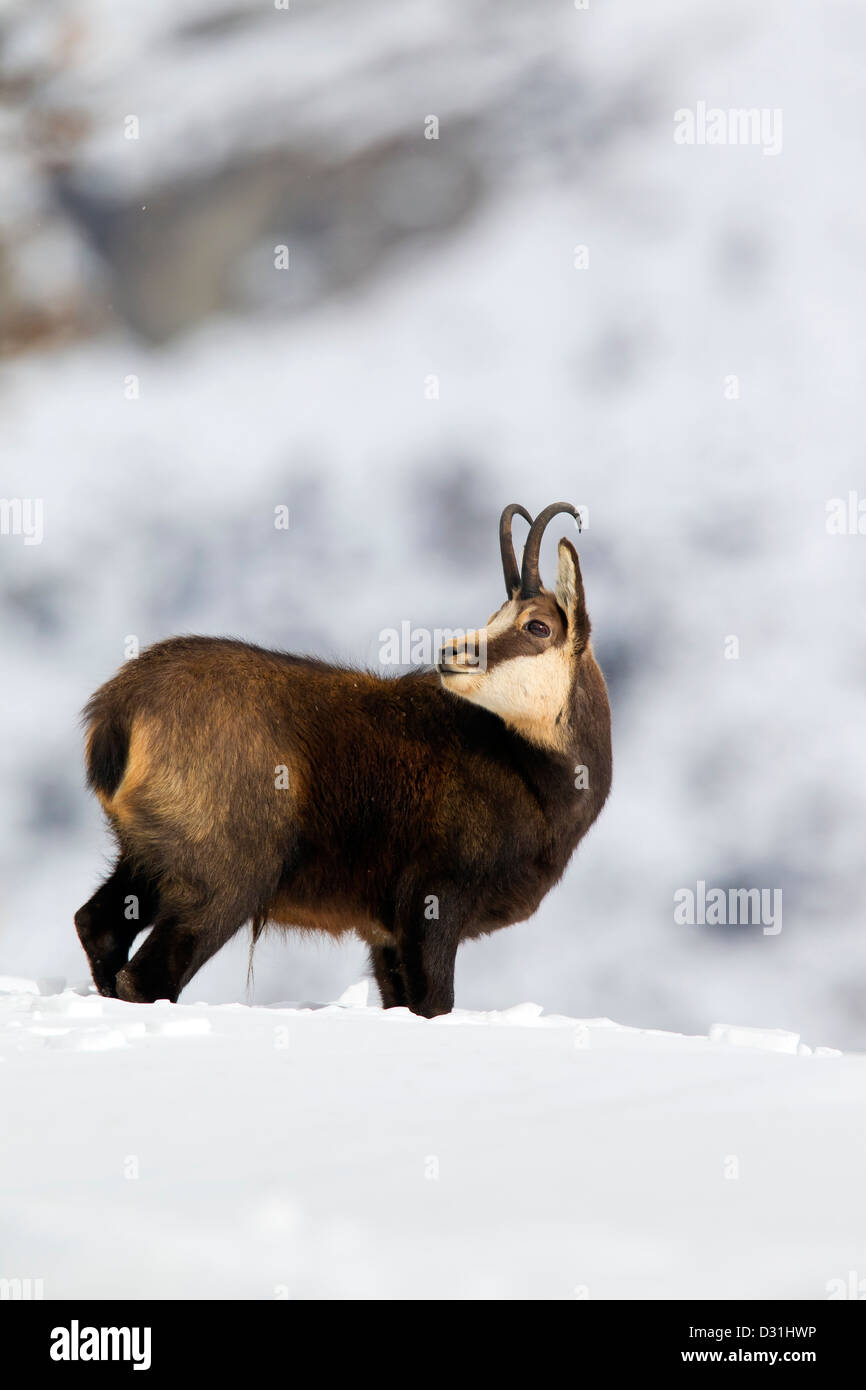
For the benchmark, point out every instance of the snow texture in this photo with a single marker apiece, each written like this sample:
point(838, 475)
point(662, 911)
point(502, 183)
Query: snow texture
point(339, 1151)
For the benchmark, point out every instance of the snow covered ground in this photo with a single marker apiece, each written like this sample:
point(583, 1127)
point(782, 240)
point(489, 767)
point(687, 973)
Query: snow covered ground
point(225, 1151)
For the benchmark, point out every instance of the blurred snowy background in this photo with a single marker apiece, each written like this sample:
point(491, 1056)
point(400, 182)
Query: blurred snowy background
point(164, 387)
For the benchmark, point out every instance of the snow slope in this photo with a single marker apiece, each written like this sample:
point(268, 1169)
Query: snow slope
point(202, 1151)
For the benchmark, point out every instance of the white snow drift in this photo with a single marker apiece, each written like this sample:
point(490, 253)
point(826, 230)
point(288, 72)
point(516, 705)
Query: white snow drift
point(299, 1151)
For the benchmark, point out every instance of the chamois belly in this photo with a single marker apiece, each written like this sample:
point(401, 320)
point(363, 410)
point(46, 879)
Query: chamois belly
point(332, 917)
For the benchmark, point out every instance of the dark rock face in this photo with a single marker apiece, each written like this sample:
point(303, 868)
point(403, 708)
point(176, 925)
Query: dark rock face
point(200, 246)
point(175, 161)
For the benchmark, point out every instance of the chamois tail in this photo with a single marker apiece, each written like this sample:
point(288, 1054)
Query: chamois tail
point(107, 749)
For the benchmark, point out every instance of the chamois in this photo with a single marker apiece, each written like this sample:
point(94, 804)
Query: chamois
point(418, 810)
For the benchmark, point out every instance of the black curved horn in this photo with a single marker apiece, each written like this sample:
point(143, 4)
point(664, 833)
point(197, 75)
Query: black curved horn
point(529, 581)
point(509, 563)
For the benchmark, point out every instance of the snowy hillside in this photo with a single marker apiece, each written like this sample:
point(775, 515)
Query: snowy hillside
point(339, 1151)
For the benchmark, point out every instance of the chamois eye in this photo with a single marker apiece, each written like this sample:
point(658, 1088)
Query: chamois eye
point(538, 629)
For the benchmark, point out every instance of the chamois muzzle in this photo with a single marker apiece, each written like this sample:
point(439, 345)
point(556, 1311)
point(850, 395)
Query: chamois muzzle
point(530, 583)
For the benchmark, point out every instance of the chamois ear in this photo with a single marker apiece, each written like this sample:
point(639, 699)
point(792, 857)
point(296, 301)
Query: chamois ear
point(570, 595)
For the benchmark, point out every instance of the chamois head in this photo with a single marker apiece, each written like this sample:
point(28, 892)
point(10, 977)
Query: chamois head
point(525, 665)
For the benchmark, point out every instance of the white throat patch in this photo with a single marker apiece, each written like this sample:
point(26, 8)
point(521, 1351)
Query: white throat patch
point(530, 693)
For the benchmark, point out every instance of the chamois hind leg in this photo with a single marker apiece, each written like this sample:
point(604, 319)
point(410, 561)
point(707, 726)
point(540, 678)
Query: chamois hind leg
point(109, 922)
point(187, 932)
point(385, 961)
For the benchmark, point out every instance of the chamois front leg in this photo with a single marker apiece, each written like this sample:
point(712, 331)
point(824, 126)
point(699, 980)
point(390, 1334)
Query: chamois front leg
point(428, 936)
